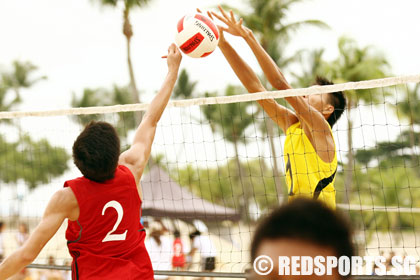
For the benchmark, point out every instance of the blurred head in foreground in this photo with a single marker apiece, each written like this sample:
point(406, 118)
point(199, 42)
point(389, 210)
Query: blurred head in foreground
point(303, 227)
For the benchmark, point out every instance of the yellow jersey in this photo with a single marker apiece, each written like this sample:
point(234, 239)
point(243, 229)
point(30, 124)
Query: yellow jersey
point(306, 173)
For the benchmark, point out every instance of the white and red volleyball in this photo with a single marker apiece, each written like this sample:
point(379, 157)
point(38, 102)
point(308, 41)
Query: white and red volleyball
point(197, 35)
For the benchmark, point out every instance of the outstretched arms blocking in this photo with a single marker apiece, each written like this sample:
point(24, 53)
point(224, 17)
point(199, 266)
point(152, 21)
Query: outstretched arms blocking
point(313, 120)
point(279, 114)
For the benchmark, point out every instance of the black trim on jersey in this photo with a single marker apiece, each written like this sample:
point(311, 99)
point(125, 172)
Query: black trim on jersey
point(75, 270)
point(322, 184)
point(289, 169)
point(80, 234)
point(140, 230)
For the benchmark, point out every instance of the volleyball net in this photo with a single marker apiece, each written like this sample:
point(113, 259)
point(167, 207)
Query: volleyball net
point(217, 167)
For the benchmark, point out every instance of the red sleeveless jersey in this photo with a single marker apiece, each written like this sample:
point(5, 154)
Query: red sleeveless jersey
point(107, 241)
point(178, 259)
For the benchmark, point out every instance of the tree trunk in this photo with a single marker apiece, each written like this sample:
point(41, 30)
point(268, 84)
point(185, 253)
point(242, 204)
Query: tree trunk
point(276, 172)
point(244, 200)
point(414, 157)
point(348, 182)
point(128, 33)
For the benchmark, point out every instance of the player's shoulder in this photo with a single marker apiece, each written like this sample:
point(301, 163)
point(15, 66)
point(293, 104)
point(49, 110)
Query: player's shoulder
point(65, 195)
point(65, 201)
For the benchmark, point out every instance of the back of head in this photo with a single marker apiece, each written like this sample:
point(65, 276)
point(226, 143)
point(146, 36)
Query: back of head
point(336, 99)
point(307, 220)
point(195, 234)
point(96, 151)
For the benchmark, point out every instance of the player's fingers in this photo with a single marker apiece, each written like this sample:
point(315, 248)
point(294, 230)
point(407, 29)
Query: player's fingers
point(198, 10)
point(220, 18)
point(223, 12)
point(164, 56)
point(232, 16)
point(210, 15)
point(171, 49)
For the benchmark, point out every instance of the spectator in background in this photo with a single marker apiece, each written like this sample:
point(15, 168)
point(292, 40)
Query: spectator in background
point(203, 244)
point(51, 274)
point(66, 274)
point(303, 227)
point(21, 236)
point(188, 257)
point(159, 247)
point(1, 241)
point(389, 261)
point(178, 258)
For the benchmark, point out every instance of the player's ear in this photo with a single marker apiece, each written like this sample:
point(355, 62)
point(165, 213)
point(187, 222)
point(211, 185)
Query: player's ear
point(328, 109)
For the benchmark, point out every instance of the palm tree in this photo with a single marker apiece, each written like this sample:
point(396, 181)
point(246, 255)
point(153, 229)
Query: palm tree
point(27, 160)
point(21, 76)
point(315, 65)
point(126, 121)
point(184, 88)
point(128, 33)
point(231, 120)
point(356, 64)
point(266, 18)
point(409, 108)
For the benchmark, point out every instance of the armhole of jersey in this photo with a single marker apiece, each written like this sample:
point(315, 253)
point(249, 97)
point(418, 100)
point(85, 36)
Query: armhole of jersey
point(292, 128)
point(132, 179)
point(335, 160)
point(79, 203)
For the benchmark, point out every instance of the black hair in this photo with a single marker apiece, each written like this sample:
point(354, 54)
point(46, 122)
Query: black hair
point(177, 234)
point(337, 100)
point(194, 234)
point(1, 225)
point(96, 151)
point(308, 220)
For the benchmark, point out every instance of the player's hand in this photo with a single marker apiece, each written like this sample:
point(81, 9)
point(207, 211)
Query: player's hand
point(219, 27)
point(174, 58)
point(234, 27)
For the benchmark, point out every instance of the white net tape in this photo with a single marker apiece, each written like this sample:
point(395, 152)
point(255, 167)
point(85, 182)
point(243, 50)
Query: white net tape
point(378, 83)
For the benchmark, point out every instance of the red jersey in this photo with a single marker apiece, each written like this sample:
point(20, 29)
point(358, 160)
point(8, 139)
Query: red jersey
point(178, 259)
point(107, 241)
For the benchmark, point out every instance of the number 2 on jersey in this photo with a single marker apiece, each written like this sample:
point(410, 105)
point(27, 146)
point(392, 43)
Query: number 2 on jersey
point(110, 236)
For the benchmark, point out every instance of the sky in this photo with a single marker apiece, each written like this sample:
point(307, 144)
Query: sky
point(79, 44)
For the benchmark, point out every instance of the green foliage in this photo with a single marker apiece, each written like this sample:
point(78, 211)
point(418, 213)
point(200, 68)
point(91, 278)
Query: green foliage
point(391, 153)
point(409, 106)
point(358, 64)
point(105, 97)
point(222, 184)
point(389, 187)
point(267, 19)
point(127, 3)
point(21, 75)
point(34, 162)
point(231, 120)
point(313, 65)
point(184, 88)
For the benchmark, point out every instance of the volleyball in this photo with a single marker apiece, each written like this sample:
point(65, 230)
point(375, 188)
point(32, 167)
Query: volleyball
point(197, 35)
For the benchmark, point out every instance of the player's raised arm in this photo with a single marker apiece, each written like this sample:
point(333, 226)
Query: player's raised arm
point(304, 111)
point(280, 114)
point(137, 156)
point(270, 68)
